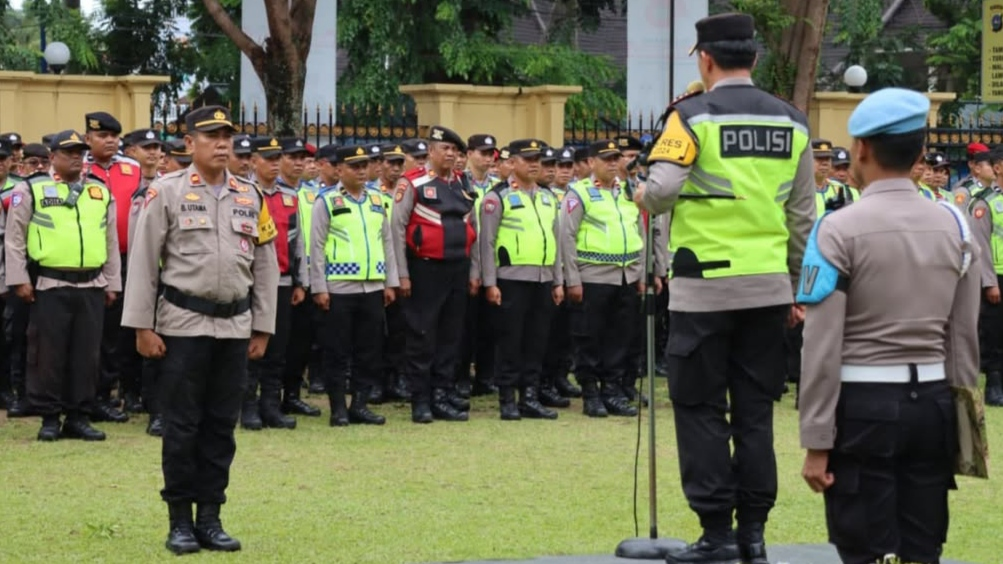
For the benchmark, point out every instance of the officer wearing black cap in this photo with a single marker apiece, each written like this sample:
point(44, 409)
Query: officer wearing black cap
point(504, 166)
point(734, 167)
point(548, 166)
point(353, 273)
point(375, 166)
point(522, 278)
point(841, 165)
point(301, 351)
point(16, 145)
point(67, 267)
point(417, 154)
point(34, 158)
point(434, 229)
point(179, 157)
point(211, 234)
point(581, 169)
point(602, 250)
point(940, 173)
point(240, 156)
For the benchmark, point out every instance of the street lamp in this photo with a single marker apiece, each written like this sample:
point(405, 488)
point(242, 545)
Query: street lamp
point(855, 77)
point(56, 55)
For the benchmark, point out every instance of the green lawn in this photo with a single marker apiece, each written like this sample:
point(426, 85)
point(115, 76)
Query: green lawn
point(404, 493)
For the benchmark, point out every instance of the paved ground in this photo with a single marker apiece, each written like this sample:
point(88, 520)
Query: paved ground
point(790, 554)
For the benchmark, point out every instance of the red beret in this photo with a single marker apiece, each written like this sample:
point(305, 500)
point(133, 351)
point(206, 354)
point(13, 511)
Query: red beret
point(977, 148)
point(312, 150)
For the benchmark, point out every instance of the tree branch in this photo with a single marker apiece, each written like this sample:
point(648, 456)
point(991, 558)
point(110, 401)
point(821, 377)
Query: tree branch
point(539, 19)
point(280, 29)
point(302, 14)
point(243, 42)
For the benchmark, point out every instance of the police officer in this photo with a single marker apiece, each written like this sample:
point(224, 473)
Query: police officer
point(302, 350)
point(34, 158)
point(981, 178)
point(971, 150)
point(504, 166)
point(987, 221)
point(940, 172)
point(67, 267)
point(270, 369)
point(353, 273)
point(375, 166)
point(434, 229)
point(738, 230)
point(877, 415)
point(827, 189)
point(179, 157)
point(7, 183)
point(213, 235)
point(240, 157)
point(478, 337)
point(581, 168)
point(16, 144)
point(522, 277)
point(394, 384)
point(840, 165)
point(602, 250)
point(327, 167)
point(416, 151)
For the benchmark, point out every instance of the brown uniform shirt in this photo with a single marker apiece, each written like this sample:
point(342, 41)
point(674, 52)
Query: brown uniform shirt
point(207, 243)
point(16, 247)
point(905, 302)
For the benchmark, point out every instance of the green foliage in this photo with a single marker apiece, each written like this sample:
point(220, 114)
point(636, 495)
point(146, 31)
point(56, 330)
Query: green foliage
point(958, 49)
point(460, 41)
point(18, 42)
point(211, 58)
point(572, 16)
point(773, 72)
point(20, 45)
point(871, 45)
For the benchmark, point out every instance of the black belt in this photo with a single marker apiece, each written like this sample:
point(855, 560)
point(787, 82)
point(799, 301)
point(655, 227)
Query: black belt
point(71, 276)
point(204, 306)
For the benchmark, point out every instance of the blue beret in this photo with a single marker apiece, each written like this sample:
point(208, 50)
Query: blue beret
point(889, 111)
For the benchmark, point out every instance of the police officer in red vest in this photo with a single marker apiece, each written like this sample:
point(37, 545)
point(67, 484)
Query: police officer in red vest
point(122, 175)
point(434, 229)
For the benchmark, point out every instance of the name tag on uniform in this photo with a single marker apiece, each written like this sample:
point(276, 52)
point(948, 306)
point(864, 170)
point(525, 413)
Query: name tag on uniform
point(766, 141)
point(377, 208)
point(545, 199)
point(50, 192)
point(288, 201)
point(515, 201)
point(595, 195)
point(431, 193)
point(998, 206)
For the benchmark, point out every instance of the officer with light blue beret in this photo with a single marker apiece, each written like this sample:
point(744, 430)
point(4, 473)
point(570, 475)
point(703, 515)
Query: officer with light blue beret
point(892, 296)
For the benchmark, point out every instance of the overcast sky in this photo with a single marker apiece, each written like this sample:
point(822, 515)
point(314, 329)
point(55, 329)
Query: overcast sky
point(86, 6)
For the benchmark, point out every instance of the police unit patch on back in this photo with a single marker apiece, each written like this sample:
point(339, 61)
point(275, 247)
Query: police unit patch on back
point(765, 141)
point(819, 278)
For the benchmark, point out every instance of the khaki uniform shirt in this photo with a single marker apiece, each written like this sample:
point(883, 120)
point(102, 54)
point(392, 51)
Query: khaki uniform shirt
point(982, 225)
point(16, 247)
point(905, 302)
point(207, 243)
point(320, 224)
point(491, 214)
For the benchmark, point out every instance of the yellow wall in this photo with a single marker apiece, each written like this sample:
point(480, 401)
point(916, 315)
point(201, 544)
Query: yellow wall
point(507, 112)
point(830, 112)
point(37, 104)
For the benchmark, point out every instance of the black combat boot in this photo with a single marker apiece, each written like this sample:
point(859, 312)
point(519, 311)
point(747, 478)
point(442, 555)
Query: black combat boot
point(566, 388)
point(443, 409)
point(104, 410)
point(592, 406)
point(76, 426)
point(181, 538)
point(397, 388)
point(550, 397)
point(271, 416)
point(209, 530)
point(506, 404)
point(463, 389)
point(631, 392)
point(155, 428)
point(420, 411)
point(250, 417)
point(483, 386)
point(18, 407)
point(714, 547)
point(336, 397)
point(530, 406)
point(359, 412)
point(457, 400)
point(293, 404)
point(376, 395)
point(50, 429)
point(752, 544)
point(133, 403)
point(994, 388)
point(615, 402)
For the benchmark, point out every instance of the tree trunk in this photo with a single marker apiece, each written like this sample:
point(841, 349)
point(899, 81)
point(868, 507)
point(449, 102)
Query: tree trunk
point(283, 92)
point(802, 45)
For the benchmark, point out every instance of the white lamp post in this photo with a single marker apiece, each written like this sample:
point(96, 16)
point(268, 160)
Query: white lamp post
point(855, 77)
point(57, 54)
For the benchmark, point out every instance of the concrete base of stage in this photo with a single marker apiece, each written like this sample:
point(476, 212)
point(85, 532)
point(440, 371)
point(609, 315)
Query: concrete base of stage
point(779, 554)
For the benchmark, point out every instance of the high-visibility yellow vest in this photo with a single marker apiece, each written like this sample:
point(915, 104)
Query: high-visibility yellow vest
point(831, 192)
point(306, 195)
point(608, 233)
point(994, 200)
point(60, 236)
point(526, 232)
point(354, 246)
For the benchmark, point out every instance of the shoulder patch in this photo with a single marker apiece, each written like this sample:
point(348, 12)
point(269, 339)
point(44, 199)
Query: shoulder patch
point(676, 144)
point(819, 278)
point(979, 213)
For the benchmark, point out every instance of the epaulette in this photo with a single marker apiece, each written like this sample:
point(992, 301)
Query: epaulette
point(668, 109)
point(498, 187)
point(123, 159)
point(36, 176)
point(415, 173)
point(176, 174)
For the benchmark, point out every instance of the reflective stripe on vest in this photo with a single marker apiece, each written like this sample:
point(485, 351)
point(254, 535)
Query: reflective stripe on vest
point(354, 246)
point(306, 197)
point(730, 219)
point(68, 237)
point(608, 233)
point(526, 232)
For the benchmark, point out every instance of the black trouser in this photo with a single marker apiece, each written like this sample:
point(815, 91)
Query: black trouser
point(478, 340)
point(64, 340)
point(713, 357)
point(522, 324)
point(352, 341)
point(393, 346)
point(435, 314)
point(636, 361)
point(200, 390)
point(120, 362)
point(148, 390)
point(15, 318)
point(601, 332)
point(6, 384)
point(893, 465)
point(991, 325)
point(269, 370)
point(793, 341)
point(301, 350)
point(557, 357)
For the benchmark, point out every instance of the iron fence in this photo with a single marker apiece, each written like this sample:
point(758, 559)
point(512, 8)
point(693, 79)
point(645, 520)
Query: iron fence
point(583, 129)
point(963, 122)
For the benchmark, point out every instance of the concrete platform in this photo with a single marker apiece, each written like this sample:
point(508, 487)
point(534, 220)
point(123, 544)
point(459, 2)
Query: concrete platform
point(789, 554)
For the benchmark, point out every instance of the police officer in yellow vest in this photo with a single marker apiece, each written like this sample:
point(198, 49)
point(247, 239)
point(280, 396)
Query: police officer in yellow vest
point(734, 165)
point(62, 257)
point(602, 250)
point(987, 222)
point(353, 273)
point(828, 191)
point(522, 276)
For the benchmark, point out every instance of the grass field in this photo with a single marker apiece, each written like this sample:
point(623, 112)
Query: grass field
point(405, 493)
